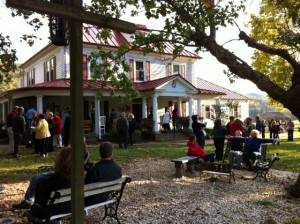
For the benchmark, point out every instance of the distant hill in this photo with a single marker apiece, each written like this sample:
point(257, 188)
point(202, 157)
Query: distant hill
point(259, 104)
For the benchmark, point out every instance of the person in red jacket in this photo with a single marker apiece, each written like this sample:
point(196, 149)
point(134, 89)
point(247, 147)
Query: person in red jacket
point(57, 138)
point(196, 150)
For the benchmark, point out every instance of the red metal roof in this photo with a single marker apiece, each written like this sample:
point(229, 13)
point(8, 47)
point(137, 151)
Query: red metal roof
point(227, 94)
point(117, 39)
point(64, 84)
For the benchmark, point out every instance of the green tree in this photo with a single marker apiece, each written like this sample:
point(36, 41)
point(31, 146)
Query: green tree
point(196, 23)
point(277, 32)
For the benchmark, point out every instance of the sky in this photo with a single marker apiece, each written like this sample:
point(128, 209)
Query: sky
point(207, 68)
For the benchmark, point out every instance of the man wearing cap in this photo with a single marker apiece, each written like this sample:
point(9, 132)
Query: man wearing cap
point(122, 130)
point(10, 132)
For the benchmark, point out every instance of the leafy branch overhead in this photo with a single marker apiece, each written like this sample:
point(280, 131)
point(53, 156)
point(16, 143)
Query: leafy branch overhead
point(276, 41)
point(196, 24)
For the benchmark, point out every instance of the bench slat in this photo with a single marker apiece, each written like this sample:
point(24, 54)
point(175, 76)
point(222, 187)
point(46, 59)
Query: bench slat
point(185, 159)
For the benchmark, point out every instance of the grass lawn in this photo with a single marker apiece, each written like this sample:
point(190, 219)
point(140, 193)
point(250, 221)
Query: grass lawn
point(14, 170)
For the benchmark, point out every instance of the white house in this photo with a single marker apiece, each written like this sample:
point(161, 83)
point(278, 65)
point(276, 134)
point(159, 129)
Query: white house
point(160, 80)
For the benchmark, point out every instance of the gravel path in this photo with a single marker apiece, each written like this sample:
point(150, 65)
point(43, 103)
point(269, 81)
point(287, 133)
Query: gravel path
point(156, 196)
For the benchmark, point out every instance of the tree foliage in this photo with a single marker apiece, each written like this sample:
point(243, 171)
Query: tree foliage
point(7, 59)
point(280, 31)
point(196, 24)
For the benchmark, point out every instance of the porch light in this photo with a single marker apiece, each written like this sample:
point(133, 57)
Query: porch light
point(58, 27)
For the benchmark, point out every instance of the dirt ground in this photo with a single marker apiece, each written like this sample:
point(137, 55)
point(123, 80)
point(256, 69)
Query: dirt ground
point(156, 196)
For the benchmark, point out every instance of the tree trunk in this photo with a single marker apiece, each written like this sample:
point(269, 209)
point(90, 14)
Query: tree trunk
point(294, 189)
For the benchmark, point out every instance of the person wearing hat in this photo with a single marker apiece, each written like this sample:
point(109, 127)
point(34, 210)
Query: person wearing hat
point(122, 130)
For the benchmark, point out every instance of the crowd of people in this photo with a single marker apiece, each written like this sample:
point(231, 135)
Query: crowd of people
point(242, 139)
point(42, 131)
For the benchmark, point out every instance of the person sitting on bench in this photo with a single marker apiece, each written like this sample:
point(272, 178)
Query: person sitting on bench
point(252, 146)
point(196, 150)
point(37, 178)
point(105, 170)
point(236, 151)
point(60, 179)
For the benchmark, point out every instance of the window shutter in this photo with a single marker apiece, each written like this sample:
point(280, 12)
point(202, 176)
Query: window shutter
point(45, 72)
point(183, 74)
point(27, 77)
point(169, 69)
point(54, 65)
point(33, 82)
point(147, 70)
point(131, 65)
point(84, 67)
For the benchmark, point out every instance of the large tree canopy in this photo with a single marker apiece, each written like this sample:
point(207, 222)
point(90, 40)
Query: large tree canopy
point(276, 69)
point(195, 24)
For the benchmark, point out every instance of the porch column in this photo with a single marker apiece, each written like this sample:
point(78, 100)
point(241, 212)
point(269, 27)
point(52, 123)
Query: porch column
point(97, 117)
point(144, 107)
point(180, 107)
point(191, 110)
point(39, 104)
point(199, 106)
point(155, 113)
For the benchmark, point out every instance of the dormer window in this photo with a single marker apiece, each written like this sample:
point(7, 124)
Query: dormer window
point(139, 71)
point(176, 69)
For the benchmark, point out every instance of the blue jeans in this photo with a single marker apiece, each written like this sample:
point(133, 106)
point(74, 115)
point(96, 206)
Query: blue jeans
point(35, 180)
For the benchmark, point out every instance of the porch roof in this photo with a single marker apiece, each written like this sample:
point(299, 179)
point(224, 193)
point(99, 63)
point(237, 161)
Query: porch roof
point(227, 94)
point(64, 84)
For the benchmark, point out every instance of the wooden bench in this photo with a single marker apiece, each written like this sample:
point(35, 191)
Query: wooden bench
point(262, 168)
point(87, 126)
point(217, 169)
point(115, 188)
point(179, 163)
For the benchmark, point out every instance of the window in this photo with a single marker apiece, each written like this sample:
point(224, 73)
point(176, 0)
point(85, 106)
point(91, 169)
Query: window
point(176, 69)
point(207, 112)
point(139, 71)
point(50, 70)
point(31, 77)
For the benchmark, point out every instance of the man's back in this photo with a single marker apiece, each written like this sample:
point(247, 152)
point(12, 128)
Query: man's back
point(103, 171)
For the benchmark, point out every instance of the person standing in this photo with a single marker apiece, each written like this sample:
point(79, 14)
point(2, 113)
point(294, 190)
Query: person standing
point(122, 130)
point(175, 118)
point(290, 128)
point(197, 130)
point(131, 128)
point(271, 128)
point(105, 170)
point(219, 133)
point(231, 119)
point(258, 124)
point(18, 126)
point(49, 119)
point(42, 135)
point(29, 115)
point(34, 123)
point(249, 126)
point(10, 132)
point(166, 120)
point(263, 129)
point(57, 138)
